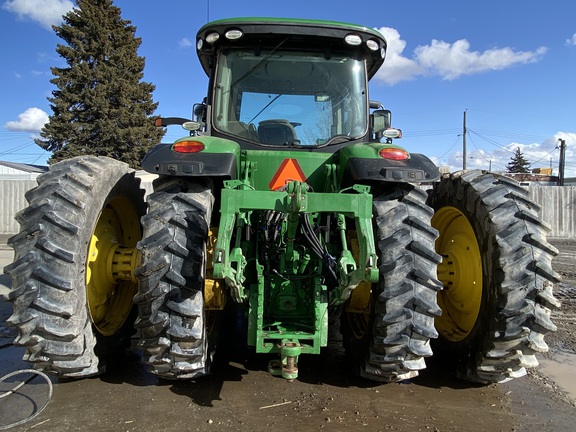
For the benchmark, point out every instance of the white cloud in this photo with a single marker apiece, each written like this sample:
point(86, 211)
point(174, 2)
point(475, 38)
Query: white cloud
point(540, 155)
point(451, 61)
point(46, 12)
point(397, 67)
point(185, 43)
point(31, 120)
point(571, 41)
point(446, 60)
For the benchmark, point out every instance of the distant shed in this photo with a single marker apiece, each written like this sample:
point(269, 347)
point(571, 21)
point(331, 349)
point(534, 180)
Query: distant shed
point(19, 171)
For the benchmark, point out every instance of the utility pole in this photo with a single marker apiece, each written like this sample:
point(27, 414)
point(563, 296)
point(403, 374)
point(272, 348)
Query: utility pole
point(562, 161)
point(464, 143)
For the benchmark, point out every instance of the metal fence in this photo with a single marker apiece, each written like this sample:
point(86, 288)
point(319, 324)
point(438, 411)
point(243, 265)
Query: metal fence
point(558, 205)
point(12, 199)
point(558, 208)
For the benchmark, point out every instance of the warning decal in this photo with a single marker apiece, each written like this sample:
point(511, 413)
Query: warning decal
point(289, 171)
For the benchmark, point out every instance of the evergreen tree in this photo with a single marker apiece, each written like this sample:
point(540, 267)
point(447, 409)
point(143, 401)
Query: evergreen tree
point(518, 163)
point(101, 106)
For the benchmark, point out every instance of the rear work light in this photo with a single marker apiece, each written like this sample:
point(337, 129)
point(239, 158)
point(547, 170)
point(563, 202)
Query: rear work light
point(234, 34)
point(353, 39)
point(392, 153)
point(212, 37)
point(188, 147)
point(372, 44)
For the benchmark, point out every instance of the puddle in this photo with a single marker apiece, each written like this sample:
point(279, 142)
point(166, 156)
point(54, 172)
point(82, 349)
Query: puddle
point(561, 369)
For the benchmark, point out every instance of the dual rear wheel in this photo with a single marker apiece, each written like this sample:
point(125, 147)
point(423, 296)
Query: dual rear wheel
point(477, 245)
point(496, 273)
point(71, 285)
point(466, 266)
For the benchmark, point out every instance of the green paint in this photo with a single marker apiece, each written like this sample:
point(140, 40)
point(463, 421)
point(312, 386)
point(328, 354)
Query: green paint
point(292, 302)
point(291, 21)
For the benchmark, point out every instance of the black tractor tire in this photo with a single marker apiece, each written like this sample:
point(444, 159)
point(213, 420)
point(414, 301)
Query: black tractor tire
point(59, 263)
point(389, 343)
point(171, 318)
point(497, 276)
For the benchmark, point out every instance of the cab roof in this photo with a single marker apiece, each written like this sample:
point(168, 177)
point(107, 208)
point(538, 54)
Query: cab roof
point(293, 33)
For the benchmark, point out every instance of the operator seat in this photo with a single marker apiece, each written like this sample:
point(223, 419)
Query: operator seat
point(276, 131)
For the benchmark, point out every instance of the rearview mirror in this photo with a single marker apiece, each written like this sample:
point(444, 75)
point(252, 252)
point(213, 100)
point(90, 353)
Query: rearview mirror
point(200, 111)
point(382, 120)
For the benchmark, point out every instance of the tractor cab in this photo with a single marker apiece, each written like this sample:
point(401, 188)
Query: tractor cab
point(289, 83)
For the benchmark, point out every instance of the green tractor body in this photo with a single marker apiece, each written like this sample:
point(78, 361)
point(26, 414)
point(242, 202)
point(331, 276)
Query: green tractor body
point(288, 201)
point(287, 133)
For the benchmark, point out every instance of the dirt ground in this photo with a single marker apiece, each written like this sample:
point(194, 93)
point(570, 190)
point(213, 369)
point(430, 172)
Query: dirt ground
point(240, 397)
point(558, 367)
point(565, 318)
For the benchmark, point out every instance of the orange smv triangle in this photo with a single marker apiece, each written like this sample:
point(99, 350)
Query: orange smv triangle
point(289, 171)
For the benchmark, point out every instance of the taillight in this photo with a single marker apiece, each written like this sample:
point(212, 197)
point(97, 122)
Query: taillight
point(394, 153)
point(188, 147)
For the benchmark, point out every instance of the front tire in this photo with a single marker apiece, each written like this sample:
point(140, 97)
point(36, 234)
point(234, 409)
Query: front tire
point(497, 276)
point(70, 310)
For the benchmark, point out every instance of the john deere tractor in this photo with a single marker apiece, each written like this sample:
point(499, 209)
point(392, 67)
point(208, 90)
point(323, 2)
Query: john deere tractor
point(287, 202)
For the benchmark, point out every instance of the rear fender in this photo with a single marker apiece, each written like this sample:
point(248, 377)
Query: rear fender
point(362, 163)
point(219, 158)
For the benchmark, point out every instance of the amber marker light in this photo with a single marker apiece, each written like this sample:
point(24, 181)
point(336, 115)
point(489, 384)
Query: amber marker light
point(394, 153)
point(188, 147)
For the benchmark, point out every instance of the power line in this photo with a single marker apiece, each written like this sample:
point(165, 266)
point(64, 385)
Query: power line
point(430, 132)
point(506, 149)
point(490, 141)
point(512, 135)
point(479, 151)
point(451, 147)
point(551, 151)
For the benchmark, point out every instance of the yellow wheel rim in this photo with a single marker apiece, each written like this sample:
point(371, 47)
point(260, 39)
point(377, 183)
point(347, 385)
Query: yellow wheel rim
point(112, 259)
point(358, 305)
point(358, 310)
point(460, 273)
point(214, 293)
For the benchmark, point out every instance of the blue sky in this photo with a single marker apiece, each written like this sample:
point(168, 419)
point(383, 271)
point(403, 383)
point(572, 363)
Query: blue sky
point(509, 64)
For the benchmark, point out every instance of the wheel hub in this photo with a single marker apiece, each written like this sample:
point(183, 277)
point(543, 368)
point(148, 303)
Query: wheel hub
point(460, 273)
point(111, 262)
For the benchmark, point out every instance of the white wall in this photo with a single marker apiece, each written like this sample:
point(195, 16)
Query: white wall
point(558, 205)
point(12, 200)
point(558, 208)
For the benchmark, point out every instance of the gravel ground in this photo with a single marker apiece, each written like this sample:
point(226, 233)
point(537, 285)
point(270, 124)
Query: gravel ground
point(325, 396)
point(565, 318)
point(561, 359)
